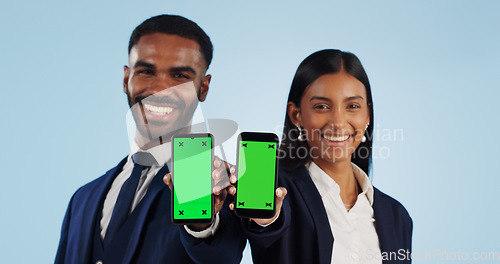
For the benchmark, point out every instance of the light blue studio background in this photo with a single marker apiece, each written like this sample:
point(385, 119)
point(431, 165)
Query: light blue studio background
point(433, 67)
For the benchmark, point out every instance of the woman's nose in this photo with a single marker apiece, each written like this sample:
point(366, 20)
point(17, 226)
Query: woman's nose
point(337, 118)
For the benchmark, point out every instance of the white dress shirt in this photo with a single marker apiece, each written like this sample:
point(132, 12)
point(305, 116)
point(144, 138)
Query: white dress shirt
point(162, 154)
point(354, 233)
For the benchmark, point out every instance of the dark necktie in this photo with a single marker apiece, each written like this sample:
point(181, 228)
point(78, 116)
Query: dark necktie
point(126, 195)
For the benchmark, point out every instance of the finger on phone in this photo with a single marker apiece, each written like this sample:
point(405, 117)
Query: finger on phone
point(232, 175)
point(232, 190)
point(216, 190)
point(217, 162)
point(280, 195)
point(219, 199)
point(167, 179)
point(219, 174)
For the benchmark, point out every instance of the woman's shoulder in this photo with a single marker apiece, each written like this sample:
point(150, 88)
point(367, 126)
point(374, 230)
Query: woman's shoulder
point(387, 204)
point(292, 175)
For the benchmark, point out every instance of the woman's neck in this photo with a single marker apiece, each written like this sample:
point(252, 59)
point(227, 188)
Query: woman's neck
point(342, 173)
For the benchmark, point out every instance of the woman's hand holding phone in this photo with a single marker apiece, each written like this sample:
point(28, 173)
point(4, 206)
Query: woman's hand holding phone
point(280, 196)
point(224, 176)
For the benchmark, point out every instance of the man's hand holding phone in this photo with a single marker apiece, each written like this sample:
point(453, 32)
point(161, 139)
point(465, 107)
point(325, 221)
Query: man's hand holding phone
point(255, 176)
point(222, 186)
point(220, 175)
point(225, 179)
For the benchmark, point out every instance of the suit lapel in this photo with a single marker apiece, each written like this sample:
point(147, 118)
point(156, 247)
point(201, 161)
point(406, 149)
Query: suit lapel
point(90, 212)
point(157, 185)
point(383, 223)
point(316, 208)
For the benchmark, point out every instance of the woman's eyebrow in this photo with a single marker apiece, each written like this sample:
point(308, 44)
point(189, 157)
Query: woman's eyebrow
point(350, 98)
point(319, 98)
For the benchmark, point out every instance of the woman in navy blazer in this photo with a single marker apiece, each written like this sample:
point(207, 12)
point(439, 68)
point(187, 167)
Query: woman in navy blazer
point(328, 131)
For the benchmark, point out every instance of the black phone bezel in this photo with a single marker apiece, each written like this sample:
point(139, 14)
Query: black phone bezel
point(259, 137)
point(192, 221)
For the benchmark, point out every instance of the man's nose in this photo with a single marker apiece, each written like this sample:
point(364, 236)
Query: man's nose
point(162, 82)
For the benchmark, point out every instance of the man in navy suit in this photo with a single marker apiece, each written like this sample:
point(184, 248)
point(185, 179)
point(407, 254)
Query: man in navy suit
point(164, 81)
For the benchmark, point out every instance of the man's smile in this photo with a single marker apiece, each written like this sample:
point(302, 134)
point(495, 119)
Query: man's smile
point(158, 110)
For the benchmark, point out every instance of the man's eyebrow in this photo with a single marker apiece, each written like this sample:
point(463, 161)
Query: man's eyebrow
point(182, 69)
point(144, 64)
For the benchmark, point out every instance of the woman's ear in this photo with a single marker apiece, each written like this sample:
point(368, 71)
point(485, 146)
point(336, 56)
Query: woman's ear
point(293, 112)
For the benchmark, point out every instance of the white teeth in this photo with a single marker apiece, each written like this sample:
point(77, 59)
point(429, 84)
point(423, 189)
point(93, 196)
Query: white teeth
point(338, 139)
point(161, 110)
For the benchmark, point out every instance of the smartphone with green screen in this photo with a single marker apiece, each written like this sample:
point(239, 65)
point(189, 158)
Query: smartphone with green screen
point(257, 175)
point(192, 197)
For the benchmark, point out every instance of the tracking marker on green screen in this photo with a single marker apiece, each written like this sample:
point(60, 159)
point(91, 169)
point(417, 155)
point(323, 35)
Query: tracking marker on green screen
point(192, 182)
point(256, 175)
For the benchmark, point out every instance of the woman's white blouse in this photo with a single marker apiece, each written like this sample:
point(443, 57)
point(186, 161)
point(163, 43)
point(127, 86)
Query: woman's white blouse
point(354, 233)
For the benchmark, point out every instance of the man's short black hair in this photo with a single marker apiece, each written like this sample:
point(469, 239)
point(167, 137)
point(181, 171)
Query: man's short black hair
point(174, 25)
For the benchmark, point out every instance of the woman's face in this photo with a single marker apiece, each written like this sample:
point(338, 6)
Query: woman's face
point(334, 114)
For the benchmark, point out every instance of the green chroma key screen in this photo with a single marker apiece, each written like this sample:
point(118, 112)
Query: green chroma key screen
point(256, 175)
point(192, 178)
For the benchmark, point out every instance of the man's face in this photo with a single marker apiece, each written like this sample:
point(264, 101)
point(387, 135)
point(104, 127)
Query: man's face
point(164, 81)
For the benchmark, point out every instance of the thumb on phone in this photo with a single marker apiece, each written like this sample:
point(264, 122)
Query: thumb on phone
point(280, 196)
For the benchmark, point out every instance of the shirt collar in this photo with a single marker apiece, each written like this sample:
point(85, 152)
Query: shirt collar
point(323, 182)
point(161, 153)
point(364, 182)
point(326, 183)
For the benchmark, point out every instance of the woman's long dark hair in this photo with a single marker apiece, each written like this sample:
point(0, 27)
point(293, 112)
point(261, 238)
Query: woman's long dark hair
point(315, 65)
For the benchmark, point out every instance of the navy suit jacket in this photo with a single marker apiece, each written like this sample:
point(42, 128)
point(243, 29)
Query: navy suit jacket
point(153, 237)
point(302, 233)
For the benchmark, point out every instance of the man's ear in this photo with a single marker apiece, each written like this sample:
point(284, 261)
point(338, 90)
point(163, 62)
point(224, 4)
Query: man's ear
point(293, 112)
point(126, 74)
point(205, 83)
